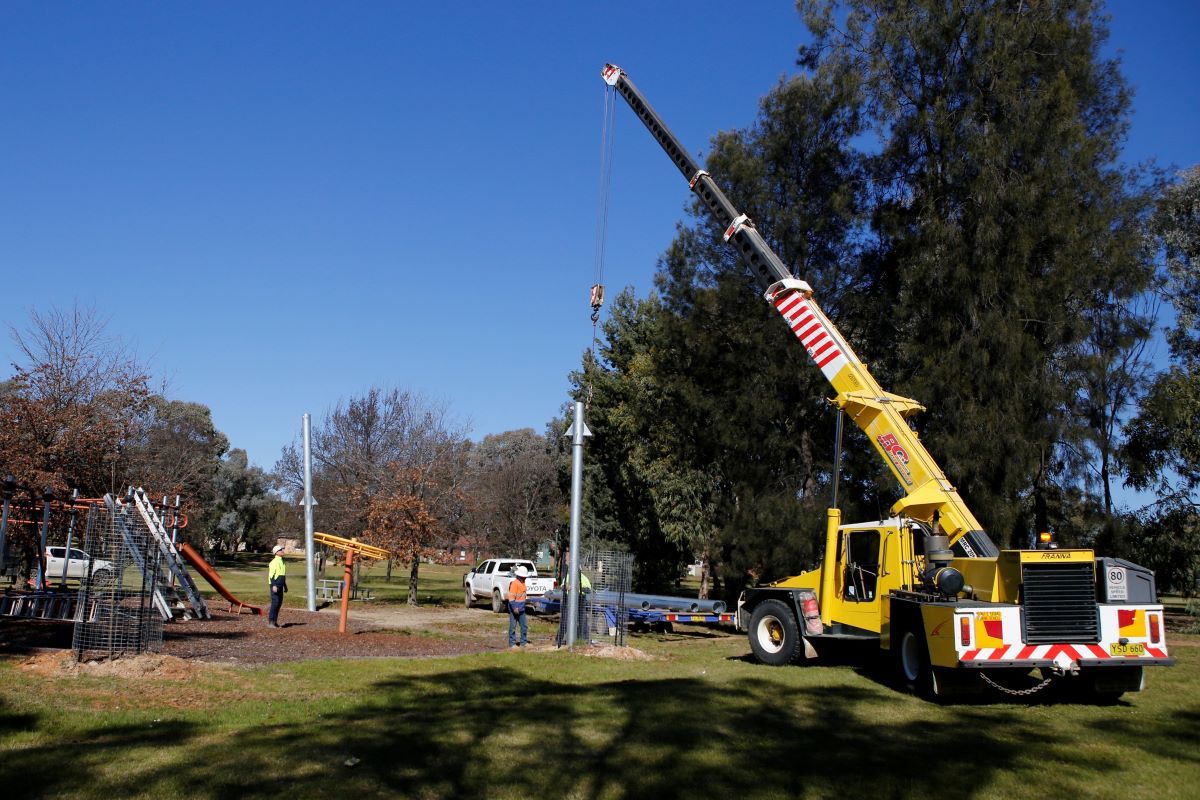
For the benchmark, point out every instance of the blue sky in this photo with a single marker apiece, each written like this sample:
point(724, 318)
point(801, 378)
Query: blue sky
point(281, 204)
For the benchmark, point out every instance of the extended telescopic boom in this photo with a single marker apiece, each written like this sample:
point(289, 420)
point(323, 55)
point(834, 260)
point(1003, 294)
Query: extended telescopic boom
point(880, 414)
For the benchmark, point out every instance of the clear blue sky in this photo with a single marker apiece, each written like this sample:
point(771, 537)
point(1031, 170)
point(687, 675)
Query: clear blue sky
point(281, 204)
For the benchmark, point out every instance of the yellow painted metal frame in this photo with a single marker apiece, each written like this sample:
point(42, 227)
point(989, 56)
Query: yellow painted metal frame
point(353, 545)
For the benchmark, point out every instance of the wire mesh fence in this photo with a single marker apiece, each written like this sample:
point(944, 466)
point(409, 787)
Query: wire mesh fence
point(118, 611)
point(604, 614)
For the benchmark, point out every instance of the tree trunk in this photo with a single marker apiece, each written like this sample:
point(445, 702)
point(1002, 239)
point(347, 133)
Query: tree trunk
point(389, 571)
point(412, 580)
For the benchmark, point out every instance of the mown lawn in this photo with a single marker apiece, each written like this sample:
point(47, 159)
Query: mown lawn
point(697, 721)
point(245, 575)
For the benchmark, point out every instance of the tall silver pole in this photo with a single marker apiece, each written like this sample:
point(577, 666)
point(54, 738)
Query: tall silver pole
point(309, 560)
point(577, 432)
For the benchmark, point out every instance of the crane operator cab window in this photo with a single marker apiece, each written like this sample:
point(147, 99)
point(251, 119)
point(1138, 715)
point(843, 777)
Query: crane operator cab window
point(862, 565)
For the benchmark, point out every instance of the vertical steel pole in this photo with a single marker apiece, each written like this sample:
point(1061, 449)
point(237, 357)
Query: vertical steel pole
point(165, 512)
point(309, 568)
point(577, 432)
point(174, 520)
point(10, 485)
point(70, 537)
point(41, 564)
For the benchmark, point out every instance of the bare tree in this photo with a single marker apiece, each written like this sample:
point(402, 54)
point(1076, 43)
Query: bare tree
point(516, 502)
point(69, 407)
point(362, 445)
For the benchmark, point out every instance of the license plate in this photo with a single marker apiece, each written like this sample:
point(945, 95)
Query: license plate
point(1131, 649)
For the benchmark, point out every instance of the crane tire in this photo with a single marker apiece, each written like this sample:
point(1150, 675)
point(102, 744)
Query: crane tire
point(774, 634)
point(913, 666)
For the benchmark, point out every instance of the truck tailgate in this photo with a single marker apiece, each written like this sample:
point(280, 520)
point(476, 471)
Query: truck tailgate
point(538, 586)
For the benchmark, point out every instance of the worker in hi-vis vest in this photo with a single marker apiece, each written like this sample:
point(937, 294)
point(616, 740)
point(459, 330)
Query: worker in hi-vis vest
point(516, 608)
point(277, 577)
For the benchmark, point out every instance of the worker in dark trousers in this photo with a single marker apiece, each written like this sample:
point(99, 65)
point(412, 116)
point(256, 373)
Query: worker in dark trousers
point(277, 577)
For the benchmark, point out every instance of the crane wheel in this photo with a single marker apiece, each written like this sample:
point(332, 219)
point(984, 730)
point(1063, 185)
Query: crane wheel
point(912, 662)
point(774, 634)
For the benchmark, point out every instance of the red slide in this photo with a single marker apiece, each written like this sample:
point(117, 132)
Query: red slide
point(210, 575)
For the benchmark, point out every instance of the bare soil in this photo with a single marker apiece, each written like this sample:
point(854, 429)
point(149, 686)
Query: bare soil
point(246, 639)
point(374, 633)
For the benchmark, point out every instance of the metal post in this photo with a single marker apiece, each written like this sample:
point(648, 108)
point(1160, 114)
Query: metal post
point(41, 556)
point(347, 574)
point(309, 567)
point(165, 512)
point(577, 433)
point(70, 537)
point(10, 485)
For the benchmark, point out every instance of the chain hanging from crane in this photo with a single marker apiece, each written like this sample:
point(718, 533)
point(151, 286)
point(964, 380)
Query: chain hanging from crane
point(596, 295)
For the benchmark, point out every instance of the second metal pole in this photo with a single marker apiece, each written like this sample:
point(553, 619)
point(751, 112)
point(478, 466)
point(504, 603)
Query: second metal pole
point(309, 561)
point(577, 432)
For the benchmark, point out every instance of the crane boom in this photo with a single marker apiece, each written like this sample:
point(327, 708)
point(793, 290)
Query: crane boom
point(878, 413)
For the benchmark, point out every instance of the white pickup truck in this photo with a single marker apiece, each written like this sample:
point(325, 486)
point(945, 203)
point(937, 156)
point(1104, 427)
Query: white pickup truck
point(490, 579)
point(77, 567)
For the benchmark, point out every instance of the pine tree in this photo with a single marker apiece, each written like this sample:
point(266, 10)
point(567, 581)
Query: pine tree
point(1001, 219)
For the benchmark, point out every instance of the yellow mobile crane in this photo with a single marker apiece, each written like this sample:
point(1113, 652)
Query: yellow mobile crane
point(928, 583)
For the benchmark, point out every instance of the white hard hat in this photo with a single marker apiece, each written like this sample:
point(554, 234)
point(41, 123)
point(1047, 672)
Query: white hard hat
point(521, 571)
point(277, 549)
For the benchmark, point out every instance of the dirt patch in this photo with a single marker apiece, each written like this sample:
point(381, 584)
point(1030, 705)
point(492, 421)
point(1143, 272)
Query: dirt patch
point(375, 632)
point(59, 664)
point(617, 653)
point(233, 639)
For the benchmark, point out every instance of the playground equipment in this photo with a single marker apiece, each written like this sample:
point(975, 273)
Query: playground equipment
point(118, 561)
point(350, 547)
point(209, 573)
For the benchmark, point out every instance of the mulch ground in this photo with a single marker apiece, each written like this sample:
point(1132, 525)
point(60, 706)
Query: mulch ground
point(245, 639)
point(230, 638)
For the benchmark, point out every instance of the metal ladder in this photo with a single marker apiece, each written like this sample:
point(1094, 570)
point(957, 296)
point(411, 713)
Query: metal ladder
point(174, 562)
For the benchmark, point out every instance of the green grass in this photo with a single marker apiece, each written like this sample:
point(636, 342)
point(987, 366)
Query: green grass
point(245, 575)
point(699, 721)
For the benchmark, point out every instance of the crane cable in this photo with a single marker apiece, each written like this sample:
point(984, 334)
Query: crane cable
point(596, 296)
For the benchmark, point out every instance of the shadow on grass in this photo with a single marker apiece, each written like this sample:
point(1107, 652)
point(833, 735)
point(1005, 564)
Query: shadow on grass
point(11, 722)
point(496, 732)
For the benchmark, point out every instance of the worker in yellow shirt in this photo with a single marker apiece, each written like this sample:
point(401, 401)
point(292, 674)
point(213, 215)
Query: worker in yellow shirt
point(277, 577)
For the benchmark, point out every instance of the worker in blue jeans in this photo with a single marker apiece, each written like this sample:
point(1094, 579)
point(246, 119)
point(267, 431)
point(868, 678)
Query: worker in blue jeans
point(516, 608)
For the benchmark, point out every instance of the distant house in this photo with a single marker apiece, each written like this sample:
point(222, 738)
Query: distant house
point(463, 552)
point(292, 546)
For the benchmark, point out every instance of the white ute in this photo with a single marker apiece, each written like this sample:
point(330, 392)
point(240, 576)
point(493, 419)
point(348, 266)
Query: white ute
point(490, 579)
point(77, 567)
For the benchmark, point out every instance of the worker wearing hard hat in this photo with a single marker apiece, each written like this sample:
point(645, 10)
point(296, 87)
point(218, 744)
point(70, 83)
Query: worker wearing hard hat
point(277, 577)
point(516, 608)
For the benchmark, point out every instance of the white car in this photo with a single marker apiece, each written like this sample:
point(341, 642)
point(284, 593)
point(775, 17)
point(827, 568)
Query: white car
point(489, 581)
point(77, 567)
